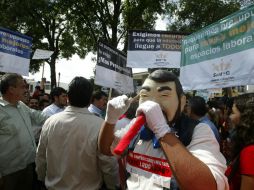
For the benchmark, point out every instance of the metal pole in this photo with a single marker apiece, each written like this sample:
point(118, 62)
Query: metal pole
point(59, 78)
point(42, 75)
point(110, 94)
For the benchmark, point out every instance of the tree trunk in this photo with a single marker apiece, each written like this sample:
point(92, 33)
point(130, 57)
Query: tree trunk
point(52, 65)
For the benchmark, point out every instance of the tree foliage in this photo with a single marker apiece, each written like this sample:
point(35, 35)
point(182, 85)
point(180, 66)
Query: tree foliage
point(44, 21)
point(192, 15)
point(75, 26)
point(110, 20)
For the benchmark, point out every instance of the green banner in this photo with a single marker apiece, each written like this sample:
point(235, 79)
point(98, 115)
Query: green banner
point(230, 35)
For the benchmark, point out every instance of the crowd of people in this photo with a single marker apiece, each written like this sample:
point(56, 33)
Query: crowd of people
point(66, 139)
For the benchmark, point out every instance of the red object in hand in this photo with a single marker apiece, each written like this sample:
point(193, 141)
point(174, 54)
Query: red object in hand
point(134, 129)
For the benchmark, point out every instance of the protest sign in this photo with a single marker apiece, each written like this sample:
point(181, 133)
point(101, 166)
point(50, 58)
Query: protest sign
point(154, 49)
point(111, 70)
point(15, 52)
point(42, 54)
point(220, 55)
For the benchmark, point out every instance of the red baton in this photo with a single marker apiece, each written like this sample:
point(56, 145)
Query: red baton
point(132, 132)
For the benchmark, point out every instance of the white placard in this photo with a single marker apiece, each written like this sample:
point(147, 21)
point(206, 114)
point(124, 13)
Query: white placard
point(42, 54)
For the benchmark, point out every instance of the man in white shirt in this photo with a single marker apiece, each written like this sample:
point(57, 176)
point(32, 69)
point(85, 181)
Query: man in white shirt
point(59, 101)
point(17, 143)
point(67, 155)
point(99, 103)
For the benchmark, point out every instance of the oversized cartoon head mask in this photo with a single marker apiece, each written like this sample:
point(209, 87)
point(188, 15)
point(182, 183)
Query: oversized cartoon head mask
point(165, 94)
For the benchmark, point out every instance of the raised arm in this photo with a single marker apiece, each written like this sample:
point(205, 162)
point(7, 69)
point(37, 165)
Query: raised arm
point(115, 108)
point(186, 167)
point(189, 171)
point(106, 138)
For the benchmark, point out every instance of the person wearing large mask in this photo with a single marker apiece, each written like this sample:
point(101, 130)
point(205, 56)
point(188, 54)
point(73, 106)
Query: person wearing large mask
point(172, 151)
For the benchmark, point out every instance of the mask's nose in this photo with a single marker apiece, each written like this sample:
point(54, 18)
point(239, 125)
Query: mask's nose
point(142, 100)
point(155, 99)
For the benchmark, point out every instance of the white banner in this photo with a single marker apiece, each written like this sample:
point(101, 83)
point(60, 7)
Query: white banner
point(42, 54)
point(15, 52)
point(156, 59)
point(14, 64)
point(232, 70)
point(154, 49)
point(220, 55)
point(122, 83)
point(111, 70)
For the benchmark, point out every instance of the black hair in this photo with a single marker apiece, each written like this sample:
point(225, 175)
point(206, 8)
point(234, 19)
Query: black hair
point(166, 76)
point(27, 85)
point(80, 92)
point(243, 134)
point(198, 106)
point(57, 91)
point(37, 87)
point(41, 103)
point(8, 80)
point(48, 95)
point(35, 98)
point(98, 95)
point(244, 131)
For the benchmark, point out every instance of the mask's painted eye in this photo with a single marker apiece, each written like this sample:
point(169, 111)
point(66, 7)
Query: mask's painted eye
point(165, 94)
point(143, 95)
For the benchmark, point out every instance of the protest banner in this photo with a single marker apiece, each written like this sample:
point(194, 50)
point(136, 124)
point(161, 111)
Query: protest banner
point(220, 55)
point(42, 54)
point(111, 70)
point(154, 49)
point(15, 52)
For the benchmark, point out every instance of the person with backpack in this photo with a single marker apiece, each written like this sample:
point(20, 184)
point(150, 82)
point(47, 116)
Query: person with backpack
point(240, 171)
point(171, 151)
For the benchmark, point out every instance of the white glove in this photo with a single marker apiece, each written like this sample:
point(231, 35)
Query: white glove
point(154, 118)
point(116, 107)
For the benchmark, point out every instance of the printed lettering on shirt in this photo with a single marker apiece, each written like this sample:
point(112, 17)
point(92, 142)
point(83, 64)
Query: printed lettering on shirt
point(150, 164)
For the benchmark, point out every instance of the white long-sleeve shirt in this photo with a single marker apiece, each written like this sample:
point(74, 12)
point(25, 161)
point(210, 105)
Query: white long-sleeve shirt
point(67, 155)
point(149, 169)
point(52, 109)
point(17, 143)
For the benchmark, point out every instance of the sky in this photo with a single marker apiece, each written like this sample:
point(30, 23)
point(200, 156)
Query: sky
point(75, 66)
